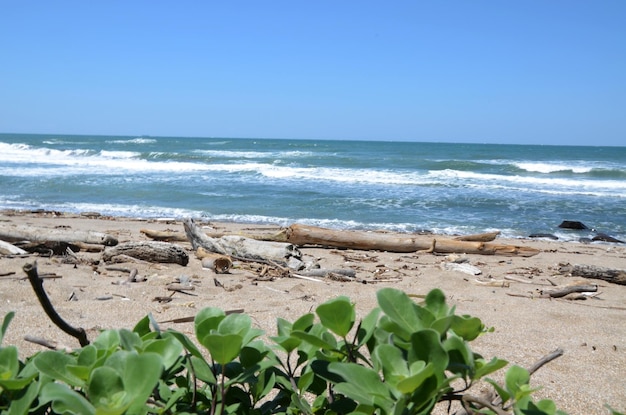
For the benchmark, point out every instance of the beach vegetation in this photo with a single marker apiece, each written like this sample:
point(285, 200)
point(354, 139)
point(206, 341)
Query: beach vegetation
point(403, 357)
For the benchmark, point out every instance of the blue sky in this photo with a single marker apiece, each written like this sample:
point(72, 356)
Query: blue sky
point(534, 71)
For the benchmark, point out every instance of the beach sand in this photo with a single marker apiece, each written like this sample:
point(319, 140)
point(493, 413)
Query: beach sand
point(592, 333)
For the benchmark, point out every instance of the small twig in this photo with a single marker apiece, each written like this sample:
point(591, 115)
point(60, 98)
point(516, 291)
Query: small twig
point(302, 277)
point(37, 284)
point(467, 399)
point(544, 360)
point(42, 342)
point(191, 318)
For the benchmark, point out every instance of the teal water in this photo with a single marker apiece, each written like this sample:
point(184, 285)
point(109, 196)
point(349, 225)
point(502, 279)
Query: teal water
point(403, 186)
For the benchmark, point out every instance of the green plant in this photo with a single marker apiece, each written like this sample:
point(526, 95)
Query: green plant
point(401, 358)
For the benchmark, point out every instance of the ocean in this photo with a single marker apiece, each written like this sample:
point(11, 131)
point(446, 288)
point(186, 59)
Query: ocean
point(397, 186)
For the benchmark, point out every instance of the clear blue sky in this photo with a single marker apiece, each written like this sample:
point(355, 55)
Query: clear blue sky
point(532, 71)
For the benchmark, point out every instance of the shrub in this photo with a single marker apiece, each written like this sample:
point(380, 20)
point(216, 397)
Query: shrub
point(401, 358)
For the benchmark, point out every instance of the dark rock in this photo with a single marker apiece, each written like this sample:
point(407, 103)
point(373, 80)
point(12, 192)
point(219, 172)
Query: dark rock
point(573, 224)
point(606, 238)
point(543, 235)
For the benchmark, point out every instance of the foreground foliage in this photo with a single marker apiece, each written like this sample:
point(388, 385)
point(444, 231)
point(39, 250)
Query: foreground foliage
point(401, 358)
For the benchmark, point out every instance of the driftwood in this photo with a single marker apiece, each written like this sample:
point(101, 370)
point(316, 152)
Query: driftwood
point(35, 281)
point(311, 235)
point(479, 237)
point(242, 247)
point(563, 291)
point(616, 276)
point(10, 249)
point(162, 252)
point(219, 263)
point(167, 236)
point(12, 233)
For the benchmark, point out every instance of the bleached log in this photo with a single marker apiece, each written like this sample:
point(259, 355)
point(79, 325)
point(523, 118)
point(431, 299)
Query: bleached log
point(10, 249)
point(479, 237)
point(161, 252)
point(241, 247)
point(167, 236)
point(616, 276)
point(15, 233)
point(300, 235)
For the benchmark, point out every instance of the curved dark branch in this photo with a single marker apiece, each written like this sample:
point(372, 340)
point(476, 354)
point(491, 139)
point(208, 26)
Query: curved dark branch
point(37, 284)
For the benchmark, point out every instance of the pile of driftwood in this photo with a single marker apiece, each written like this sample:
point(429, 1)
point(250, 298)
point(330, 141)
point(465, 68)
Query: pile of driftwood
point(279, 252)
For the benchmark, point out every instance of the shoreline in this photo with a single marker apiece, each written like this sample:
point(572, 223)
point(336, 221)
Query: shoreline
point(589, 375)
point(538, 237)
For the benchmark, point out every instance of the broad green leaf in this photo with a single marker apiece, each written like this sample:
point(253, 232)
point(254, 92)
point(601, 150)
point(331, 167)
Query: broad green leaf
point(223, 347)
point(417, 378)
point(256, 354)
point(54, 364)
point(9, 362)
point(362, 384)
point(64, 400)
point(461, 358)
point(202, 370)
point(107, 340)
point(283, 327)
point(368, 326)
point(516, 377)
point(142, 327)
point(467, 327)
point(436, 303)
point(441, 325)
point(314, 340)
point(237, 323)
point(16, 384)
point(106, 391)
point(403, 311)
point(287, 343)
point(22, 404)
point(337, 315)
point(129, 340)
point(502, 392)
point(5, 324)
point(140, 373)
point(304, 322)
point(79, 371)
point(168, 348)
point(305, 381)
point(390, 360)
point(545, 406)
point(87, 356)
point(426, 346)
point(186, 342)
point(207, 320)
point(484, 368)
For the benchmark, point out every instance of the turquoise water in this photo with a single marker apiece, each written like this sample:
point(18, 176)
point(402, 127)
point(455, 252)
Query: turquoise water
point(448, 188)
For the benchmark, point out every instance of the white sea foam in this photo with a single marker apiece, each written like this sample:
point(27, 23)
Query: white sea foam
point(553, 167)
point(253, 154)
point(138, 140)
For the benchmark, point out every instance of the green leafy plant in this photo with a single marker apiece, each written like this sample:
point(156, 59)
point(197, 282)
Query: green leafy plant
point(401, 358)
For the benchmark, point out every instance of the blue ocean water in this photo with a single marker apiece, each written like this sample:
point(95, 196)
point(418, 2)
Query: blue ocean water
point(401, 186)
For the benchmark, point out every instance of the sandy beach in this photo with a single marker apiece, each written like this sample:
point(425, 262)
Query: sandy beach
point(591, 332)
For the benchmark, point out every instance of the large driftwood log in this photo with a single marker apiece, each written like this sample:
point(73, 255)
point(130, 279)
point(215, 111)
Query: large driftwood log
point(241, 247)
point(311, 235)
point(162, 252)
point(13, 233)
point(616, 276)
